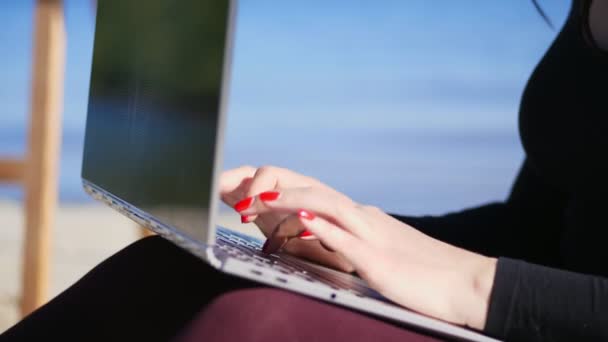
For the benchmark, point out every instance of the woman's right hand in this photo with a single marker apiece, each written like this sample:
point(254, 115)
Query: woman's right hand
point(248, 181)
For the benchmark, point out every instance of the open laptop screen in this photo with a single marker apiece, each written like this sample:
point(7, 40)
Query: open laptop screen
point(154, 104)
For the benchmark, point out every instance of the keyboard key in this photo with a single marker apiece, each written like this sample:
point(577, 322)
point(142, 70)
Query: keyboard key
point(248, 250)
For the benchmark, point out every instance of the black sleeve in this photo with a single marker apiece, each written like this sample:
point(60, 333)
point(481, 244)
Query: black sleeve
point(529, 218)
point(536, 303)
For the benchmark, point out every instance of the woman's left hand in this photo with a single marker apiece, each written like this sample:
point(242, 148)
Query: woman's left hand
point(403, 264)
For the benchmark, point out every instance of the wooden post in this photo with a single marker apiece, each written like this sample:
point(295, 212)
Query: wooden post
point(41, 165)
point(11, 170)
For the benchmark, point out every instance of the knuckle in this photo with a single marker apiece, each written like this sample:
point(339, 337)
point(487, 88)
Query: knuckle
point(289, 227)
point(307, 190)
point(265, 169)
point(371, 208)
point(292, 224)
point(248, 167)
point(340, 210)
point(271, 170)
point(265, 176)
point(345, 200)
point(335, 237)
point(279, 230)
point(312, 181)
point(343, 205)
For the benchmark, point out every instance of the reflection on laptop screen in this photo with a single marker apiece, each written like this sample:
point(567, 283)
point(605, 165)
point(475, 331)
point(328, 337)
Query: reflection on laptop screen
point(154, 105)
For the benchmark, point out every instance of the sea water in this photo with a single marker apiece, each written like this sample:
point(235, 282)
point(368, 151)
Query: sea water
point(403, 105)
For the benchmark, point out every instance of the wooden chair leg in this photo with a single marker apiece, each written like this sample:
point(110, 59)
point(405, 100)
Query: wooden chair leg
point(41, 168)
point(11, 170)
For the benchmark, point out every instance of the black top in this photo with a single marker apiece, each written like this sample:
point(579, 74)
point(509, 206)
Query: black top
point(554, 216)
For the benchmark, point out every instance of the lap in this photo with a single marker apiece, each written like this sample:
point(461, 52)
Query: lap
point(271, 314)
point(152, 290)
point(147, 291)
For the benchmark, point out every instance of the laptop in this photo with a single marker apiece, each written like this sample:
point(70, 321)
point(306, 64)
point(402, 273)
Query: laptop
point(153, 147)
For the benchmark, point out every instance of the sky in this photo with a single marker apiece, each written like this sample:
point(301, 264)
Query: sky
point(410, 105)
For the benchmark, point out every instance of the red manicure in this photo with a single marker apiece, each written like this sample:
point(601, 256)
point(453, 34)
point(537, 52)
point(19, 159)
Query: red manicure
point(244, 204)
point(245, 218)
point(269, 196)
point(305, 234)
point(306, 214)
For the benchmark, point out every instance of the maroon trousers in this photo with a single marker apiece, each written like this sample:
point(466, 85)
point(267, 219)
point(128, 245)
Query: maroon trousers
point(154, 291)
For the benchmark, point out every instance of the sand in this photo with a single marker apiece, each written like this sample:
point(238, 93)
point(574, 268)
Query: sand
point(83, 236)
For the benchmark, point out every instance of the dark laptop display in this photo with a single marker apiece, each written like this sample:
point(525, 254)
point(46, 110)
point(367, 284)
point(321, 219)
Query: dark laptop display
point(154, 105)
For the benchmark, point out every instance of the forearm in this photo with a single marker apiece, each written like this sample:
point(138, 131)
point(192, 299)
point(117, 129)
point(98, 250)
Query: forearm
point(481, 284)
point(515, 300)
point(471, 288)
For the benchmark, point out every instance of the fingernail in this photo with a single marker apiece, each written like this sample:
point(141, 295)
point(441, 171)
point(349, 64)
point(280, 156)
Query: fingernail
point(269, 196)
point(305, 234)
point(306, 214)
point(244, 204)
point(245, 218)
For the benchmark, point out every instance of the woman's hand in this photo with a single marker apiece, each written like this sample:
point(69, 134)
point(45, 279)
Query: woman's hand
point(401, 263)
point(247, 181)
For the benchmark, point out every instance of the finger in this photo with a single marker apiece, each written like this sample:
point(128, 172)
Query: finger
point(230, 179)
point(234, 183)
point(307, 235)
point(236, 194)
point(331, 205)
point(326, 246)
point(334, 237)
point(264, 179)
point(291, 227)
point(271, 177)
point(316, 252)
point(268, 178)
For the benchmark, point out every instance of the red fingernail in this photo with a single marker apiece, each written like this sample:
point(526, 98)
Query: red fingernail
point(306, 214)
point(244, 204)
point(305, 234)
point(245, 218)
point(269, 196)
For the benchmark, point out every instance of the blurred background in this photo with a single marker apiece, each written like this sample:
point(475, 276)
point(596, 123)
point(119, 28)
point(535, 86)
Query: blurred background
point(407, 105)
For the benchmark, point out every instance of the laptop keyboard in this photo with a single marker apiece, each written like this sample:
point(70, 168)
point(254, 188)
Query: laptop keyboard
point(249, 249)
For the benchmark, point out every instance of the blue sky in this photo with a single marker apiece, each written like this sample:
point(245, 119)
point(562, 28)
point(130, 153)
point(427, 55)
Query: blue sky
point(345, 81)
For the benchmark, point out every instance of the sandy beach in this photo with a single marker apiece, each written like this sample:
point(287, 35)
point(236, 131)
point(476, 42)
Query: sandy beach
point(84, 236)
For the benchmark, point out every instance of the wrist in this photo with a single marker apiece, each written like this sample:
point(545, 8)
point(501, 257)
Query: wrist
point(480, 283)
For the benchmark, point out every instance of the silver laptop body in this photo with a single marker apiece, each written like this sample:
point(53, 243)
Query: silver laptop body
point(153, 147)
